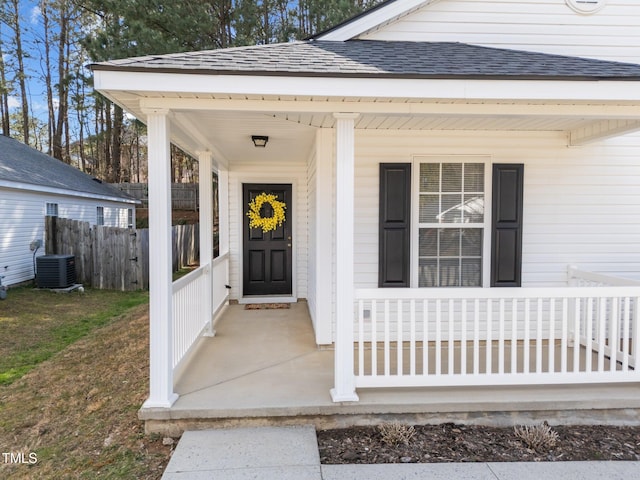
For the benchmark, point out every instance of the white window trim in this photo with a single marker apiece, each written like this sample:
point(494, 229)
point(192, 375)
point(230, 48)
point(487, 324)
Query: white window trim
point(98, 209)
point(415, 210)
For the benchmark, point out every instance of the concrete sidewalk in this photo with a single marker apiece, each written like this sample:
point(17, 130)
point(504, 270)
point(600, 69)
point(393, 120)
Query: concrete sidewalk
point(291, 453)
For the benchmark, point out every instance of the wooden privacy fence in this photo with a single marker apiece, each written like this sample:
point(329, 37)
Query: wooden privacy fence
point(184, 196)
point(115, 258)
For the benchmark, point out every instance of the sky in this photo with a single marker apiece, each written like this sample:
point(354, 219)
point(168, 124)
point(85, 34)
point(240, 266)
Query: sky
point(31, 30)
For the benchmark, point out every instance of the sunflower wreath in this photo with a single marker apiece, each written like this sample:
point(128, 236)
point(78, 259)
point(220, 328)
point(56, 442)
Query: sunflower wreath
point(269, 223)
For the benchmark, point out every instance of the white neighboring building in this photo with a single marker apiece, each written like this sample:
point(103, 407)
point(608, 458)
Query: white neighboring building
point(33, 185)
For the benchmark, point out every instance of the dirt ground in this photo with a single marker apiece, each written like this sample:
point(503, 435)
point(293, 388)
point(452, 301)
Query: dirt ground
point(459, 443)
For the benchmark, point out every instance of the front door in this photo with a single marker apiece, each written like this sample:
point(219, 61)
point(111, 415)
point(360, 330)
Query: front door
point(267, 257)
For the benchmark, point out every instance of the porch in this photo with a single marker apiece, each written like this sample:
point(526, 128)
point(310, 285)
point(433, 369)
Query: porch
point(263, 367)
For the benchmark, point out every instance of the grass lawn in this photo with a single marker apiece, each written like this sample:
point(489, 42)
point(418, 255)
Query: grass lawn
point(74, 372)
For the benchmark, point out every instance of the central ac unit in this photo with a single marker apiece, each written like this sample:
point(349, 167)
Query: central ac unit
point(55, 271)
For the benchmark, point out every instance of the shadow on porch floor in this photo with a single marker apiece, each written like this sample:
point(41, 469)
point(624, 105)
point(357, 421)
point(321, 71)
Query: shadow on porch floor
point(264, 368)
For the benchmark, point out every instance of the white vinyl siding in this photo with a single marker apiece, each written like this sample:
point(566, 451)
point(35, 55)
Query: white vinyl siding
point(580, 204)
point(294, 173)
point(551, 26)
point(311, 235)
point(22, 213)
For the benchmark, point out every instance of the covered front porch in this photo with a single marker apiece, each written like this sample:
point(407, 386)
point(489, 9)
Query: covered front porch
point(263, 367)
point(393, 182)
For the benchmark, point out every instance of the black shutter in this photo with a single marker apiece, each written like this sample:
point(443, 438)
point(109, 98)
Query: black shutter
point(395, 214)
point(506, 228)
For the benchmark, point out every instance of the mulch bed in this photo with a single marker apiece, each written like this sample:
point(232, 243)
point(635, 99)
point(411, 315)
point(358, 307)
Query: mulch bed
point(464, 443)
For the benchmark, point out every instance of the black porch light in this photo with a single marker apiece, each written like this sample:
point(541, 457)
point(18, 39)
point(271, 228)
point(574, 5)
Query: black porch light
point(259, 141)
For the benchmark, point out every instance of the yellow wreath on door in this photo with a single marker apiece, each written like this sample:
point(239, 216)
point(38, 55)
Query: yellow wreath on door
point(266, 223)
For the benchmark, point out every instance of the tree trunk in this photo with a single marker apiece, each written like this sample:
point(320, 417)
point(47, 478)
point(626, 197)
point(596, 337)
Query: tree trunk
point(62, 88)
point(4, 94)
point(21, 71)
point(47, 75)
point(116, 143)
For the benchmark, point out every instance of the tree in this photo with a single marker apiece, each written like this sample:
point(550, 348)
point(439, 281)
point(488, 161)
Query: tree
point(83, 128)
point(4, 93)
point(11, 17)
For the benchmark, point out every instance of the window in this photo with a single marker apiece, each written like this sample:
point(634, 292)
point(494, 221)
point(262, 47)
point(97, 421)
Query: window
point(52, 209)
point(100, 216)
point(130, 217)
point(451, 223)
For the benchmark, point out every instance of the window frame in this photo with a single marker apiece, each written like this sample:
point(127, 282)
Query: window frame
point(486, 160)
point(100, 215)
point(53, 206)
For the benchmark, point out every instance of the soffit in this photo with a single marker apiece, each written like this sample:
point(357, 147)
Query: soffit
point(226, 127)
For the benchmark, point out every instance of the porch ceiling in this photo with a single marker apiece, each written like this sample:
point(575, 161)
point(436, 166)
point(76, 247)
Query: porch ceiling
point(224, 123)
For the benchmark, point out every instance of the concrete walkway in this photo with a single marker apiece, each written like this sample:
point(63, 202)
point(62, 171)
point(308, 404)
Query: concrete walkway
point(291, 453)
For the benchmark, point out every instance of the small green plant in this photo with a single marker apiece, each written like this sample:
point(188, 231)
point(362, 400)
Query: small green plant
point(396, 433)
point(540, 438)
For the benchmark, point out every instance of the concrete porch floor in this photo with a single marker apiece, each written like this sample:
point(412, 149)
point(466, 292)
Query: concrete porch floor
point(264, 368)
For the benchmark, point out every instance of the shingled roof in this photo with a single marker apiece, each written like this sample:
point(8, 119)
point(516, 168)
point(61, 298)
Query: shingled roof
point(22, 164)
point(380, 59)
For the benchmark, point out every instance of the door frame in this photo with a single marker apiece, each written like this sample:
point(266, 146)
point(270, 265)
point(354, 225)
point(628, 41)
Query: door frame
point(266, 178)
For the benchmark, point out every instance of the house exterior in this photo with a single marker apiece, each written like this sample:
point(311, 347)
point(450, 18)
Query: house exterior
point(443, 165)
point(34, 185)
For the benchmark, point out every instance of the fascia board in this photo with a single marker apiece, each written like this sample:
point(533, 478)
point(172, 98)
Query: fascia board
point(152, 84)
point(372, 20)
point(60, 191)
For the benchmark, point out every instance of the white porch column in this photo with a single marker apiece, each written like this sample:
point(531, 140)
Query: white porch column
point(344, 380)
point(324, 225)
point(160, 283)
point(205, 166)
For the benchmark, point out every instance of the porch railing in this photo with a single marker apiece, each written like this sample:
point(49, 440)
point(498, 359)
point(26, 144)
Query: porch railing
point(219, 282)
point(506, 336)
point(197, 298)
point(583, 278)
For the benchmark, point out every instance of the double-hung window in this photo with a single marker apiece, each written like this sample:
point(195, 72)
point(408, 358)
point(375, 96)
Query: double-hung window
point(100, 216)
point(51, 209)
point(451, 222)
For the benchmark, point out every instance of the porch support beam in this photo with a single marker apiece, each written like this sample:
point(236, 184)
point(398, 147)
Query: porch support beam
point(344, 377)
point(161, 393)
point(549, 109)
point(602, 130)
point(205, 192)
point(324, 225)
